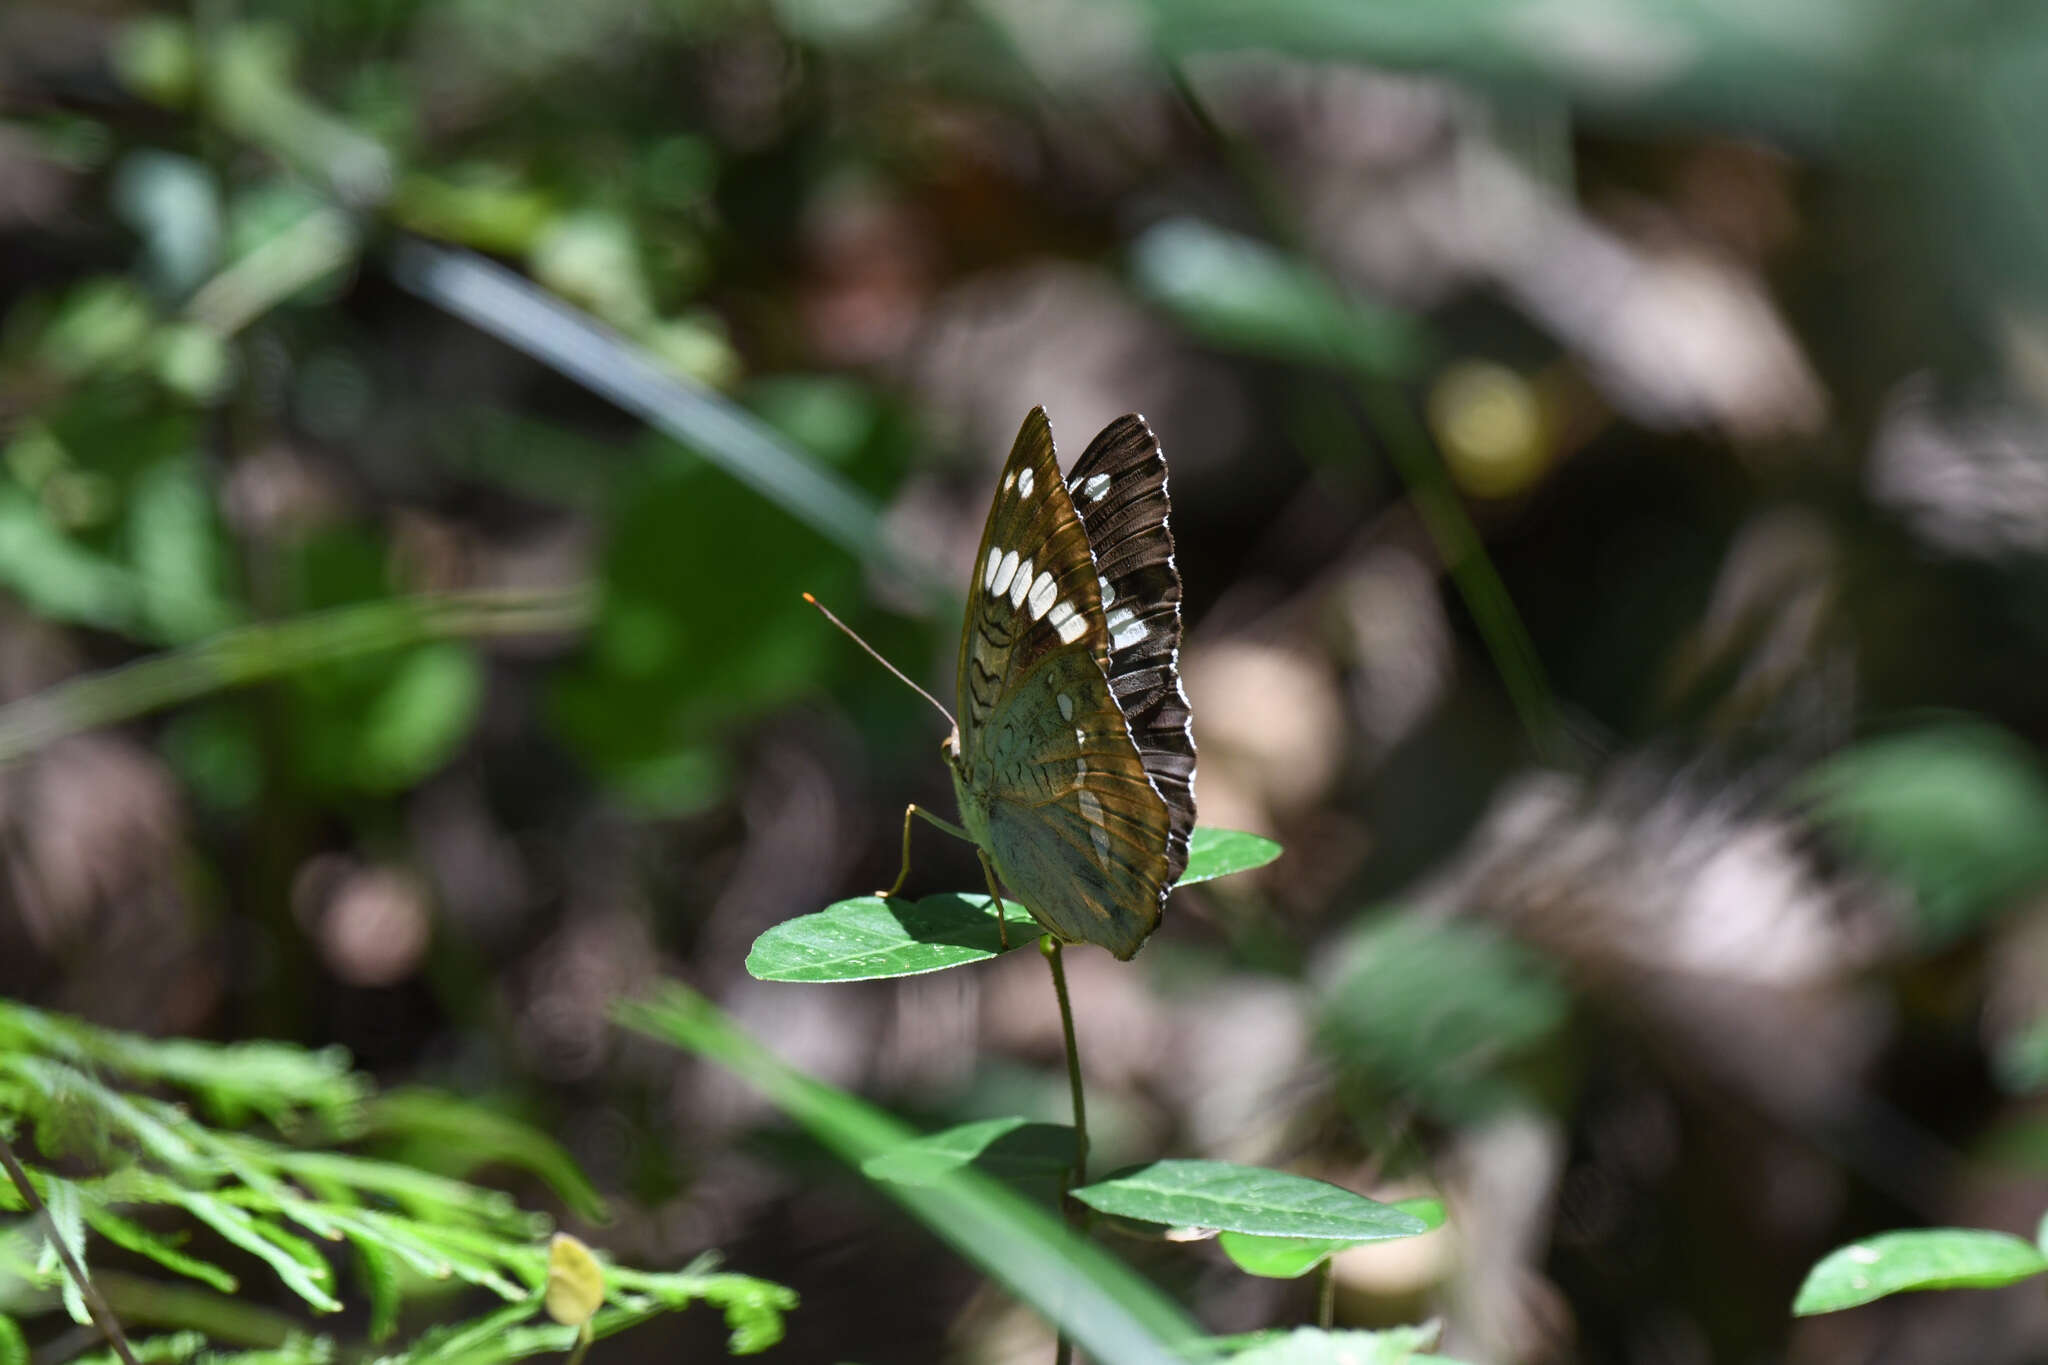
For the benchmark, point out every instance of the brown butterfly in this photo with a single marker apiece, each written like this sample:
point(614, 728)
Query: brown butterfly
point(1074, 755)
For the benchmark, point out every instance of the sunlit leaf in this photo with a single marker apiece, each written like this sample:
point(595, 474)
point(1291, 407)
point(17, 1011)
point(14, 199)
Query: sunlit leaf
point(1214, 853)
point(868, 938)
point(1929, 1258)
point(1233, 1198)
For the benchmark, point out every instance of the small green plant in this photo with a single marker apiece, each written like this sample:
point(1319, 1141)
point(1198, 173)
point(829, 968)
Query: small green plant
point(209, 1160)
point(1269, 1223)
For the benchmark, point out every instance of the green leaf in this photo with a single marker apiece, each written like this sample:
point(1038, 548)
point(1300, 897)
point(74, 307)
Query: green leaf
point(167, 1348)
point(420, 717)
point(1288, 1258)
point(1107, 1309)
point(1214, 853)
point(136, 1238)
point(1241, 294)
point(64, 1207)
point(1233, 1198)
point(753, 1308)
point(1930, 1258)
point(295, 1262)
point(1437, 1013)
point(176, 552)
point(1953, 811)
point(377, 1270)
point(449, 1133)
point(867, 938)
point(1007, 1148)
point(13, 1345)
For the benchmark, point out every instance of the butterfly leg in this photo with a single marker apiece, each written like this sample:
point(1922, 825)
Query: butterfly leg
point(903, 872)
point(1002, 918)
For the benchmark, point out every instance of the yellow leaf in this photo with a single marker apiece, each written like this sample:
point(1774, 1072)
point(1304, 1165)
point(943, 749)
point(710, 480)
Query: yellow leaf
point(575, 1281)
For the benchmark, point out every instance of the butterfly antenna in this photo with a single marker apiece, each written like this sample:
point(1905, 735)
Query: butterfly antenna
point(852, 635)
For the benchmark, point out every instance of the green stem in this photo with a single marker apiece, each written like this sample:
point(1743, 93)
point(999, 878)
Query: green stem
point(1050, 946)
point(1464, 556)
point(582, 1344)
point(1063, 1353)
point(102, 1316)
point(257, 653)
point(1326, 1294)
point(225, 1320)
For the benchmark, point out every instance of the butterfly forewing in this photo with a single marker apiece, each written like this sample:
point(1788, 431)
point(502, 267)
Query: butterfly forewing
point(1034, 587)
point(1118, 487)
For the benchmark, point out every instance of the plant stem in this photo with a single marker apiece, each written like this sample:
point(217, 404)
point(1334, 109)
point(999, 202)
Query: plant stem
point(1471, 571)
point(1063, 1352)
point(250, 654)
point(226, 1320)
point(103, 1316)
point(582, 1345)
point(1050, 946)
point(1326, 1294)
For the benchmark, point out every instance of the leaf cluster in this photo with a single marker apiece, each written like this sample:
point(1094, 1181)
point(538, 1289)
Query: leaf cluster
point(143, 1146)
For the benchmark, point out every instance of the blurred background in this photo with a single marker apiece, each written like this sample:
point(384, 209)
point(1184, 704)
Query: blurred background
point(1609, 443)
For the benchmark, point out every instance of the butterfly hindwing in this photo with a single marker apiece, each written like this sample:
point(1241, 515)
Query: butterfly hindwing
point(1074, 824)
point(1118, 487)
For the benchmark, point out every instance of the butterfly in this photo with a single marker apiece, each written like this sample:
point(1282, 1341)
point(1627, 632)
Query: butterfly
point(1073, 755)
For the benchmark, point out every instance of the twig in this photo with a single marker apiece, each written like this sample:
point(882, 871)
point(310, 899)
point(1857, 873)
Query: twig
point(102, 1316)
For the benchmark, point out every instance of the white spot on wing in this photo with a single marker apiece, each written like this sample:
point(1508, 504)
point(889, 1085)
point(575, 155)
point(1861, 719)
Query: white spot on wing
point(1072, 629)
point(1043, 591)
point(1108, 593)
point(1006, 570)
point(1091, 811)
point(1125, 629)
point(1060, 612)
point(1021, 584)
point(988, 575)
point(1026, 481)
point(1066, 707)
point(1094, 486)
point(1009, 480)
